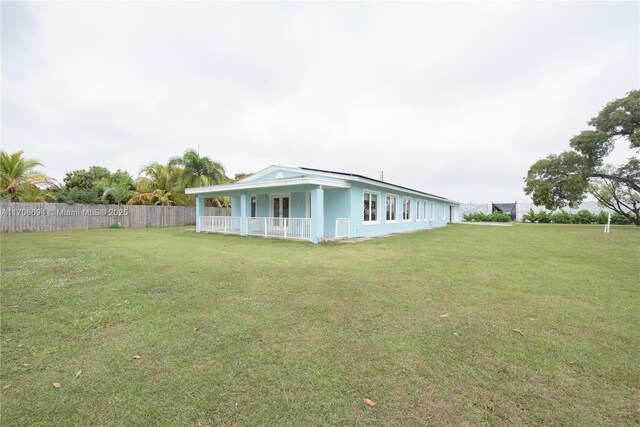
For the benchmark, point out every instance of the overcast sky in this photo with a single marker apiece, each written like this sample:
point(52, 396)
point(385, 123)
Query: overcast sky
point(456, 99)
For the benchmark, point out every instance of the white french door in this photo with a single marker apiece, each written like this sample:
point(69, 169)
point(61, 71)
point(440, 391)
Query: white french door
point(279, 209)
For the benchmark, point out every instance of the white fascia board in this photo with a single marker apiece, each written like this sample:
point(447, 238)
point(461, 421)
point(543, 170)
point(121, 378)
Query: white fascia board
point(341, 177)
point(258, 174)
point(304, 172)
point(242, 185)
point(397, 188)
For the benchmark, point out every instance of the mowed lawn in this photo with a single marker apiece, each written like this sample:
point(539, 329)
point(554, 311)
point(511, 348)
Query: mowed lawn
point(465, 325)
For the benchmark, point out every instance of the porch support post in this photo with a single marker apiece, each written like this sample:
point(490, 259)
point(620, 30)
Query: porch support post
point(244, 205)
point(317, 214)
point(199, 212)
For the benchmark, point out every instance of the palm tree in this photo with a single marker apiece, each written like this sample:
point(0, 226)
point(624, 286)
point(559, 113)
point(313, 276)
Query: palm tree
point(199, 170)
point(156, 197)
point(19, 180)
point(160, 185)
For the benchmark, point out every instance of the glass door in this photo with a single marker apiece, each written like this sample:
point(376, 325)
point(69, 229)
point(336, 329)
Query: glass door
point(279, 209)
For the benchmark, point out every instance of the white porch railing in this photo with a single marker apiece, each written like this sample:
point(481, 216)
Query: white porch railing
point(220, 224)
point(342, 228)
point(282, 228)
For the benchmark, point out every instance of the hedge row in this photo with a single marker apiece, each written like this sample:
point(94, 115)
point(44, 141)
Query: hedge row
point(483, 217)
point(580, 217)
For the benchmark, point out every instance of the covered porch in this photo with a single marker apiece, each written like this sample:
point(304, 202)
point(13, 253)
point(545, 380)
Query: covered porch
point(286, 208)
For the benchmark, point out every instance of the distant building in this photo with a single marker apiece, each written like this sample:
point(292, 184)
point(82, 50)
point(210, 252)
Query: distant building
point(518, 210)
point(508, 208)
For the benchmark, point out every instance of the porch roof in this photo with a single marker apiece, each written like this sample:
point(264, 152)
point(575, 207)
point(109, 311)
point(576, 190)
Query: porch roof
point(301, 182)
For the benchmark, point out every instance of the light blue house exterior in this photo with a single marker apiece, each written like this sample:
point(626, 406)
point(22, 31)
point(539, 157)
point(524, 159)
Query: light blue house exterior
point(315, 205)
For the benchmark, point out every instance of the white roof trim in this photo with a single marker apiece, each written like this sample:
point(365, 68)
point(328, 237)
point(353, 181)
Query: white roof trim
point(317, 175)
point(401, 189)
point(268, 170)
point(285, 182)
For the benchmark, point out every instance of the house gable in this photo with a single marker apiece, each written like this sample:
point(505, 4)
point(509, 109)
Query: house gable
point(274, 172)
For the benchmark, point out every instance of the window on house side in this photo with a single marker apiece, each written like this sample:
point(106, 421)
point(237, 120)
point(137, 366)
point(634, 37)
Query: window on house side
point(433, 211)
point(392, 208)
point(418, 204)
point(370, 213)
point(406, 209)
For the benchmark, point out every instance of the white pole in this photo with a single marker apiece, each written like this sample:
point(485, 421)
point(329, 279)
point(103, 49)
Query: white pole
point(607, 227)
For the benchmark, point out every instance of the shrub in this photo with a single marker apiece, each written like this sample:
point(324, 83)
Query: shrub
point(482, 217)
point(498, 217)
point(602, 217)
point(543, 217)
point(562, 217)
point(475, 217)
point(619, 219)
point(584, 217)
point(529, 216)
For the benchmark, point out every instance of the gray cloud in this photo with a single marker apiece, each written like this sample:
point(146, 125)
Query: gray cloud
point(455, 98)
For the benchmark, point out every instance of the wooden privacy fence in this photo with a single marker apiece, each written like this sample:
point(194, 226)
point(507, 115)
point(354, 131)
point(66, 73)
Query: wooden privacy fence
point(15, 217)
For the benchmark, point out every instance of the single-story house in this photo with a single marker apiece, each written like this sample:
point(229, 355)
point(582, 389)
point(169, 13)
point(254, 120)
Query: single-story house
point(315, 205)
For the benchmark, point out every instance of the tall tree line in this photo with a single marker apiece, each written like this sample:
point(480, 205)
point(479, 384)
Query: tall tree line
point(156, 184)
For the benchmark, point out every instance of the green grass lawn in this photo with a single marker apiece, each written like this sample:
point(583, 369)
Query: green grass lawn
point(523, 325)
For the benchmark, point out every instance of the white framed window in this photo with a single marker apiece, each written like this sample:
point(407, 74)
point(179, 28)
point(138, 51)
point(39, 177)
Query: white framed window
point(406, 208)
point(433, 211)
point(392, 208)
point(418, 209)
point(370, 211)
point(444, 212)
point(424, 211)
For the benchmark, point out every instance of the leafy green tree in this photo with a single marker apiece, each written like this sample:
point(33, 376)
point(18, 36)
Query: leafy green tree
point(89, 186)
point(20, 181)
point(80, 179)
point(116, 188)
point(564, 179)
point(614, 194)
point(90, 196)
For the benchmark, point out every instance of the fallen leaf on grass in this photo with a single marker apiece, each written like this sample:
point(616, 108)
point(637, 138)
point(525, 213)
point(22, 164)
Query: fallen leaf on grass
point(196, 328)
point(456, 334)
point(444, 315)
point(6, 386)
point(19, 345)
point(25, 365)
point(518, 331)
point(137, 357)
point(78, 374)
point(57, 385)
point(572, 362)
point(369, 402)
